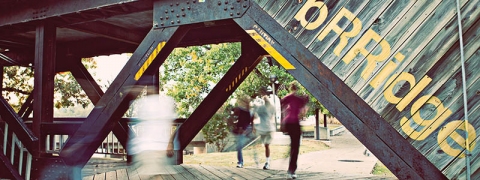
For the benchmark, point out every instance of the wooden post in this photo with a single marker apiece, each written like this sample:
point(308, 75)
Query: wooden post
point(317, 126)
point(324, 120)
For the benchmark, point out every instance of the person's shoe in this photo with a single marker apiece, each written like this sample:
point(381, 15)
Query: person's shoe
point(267, 166)
point(291, 175)
point(239, 165)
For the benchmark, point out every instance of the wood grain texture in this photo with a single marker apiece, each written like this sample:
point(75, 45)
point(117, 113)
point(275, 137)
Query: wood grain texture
point(423, 41)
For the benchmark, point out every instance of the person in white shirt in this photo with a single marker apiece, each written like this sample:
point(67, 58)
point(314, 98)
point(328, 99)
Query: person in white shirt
point(153, 140)
point(265, 110)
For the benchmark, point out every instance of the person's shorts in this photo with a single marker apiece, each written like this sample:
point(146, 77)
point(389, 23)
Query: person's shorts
point(265, 137)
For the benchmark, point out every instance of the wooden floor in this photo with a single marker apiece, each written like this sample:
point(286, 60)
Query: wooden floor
point(202, 172)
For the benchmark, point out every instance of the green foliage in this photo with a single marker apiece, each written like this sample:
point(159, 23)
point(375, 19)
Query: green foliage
point(68, 93)
point(18, 84)
point(216, 129)
point(190, 74)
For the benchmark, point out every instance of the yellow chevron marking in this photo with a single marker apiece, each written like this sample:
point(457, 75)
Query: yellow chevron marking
point(149, 60)
point(236, 79)
point(269, 48)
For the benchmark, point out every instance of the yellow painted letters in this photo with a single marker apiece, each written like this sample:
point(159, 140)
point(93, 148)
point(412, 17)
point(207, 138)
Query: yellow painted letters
point(344, 35)
point(449, 131)
point(300, 16)
point(426, 126)
point(385, 72)
point(388, 93)
point(414, 93)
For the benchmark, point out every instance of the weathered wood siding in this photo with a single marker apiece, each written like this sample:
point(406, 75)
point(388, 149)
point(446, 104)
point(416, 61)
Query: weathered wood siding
point(403, 58)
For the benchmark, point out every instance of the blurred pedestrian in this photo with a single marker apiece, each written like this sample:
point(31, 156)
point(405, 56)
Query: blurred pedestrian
point(294, 104)
point(265, 111)
point(151, 144)
point(244, 126)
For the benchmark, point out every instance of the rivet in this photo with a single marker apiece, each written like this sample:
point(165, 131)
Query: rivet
point(161, 24)
point(238, 13)
point(188, 7)
point(178, 21)
point(161, 18)
point(194, 1)
point(244, 5)
point(172, 22)
point(231, 14)
point(183, 9)
point(183, 14)
point(172, 10)
point(171, 4)
point(232, 8)
point(178, 3)
point(238, 0)
point(219, 3)
point(225, 8)
point(188, 2)
point(226, 2)
point(167, 17)
point(178, 15)
point(166, 11)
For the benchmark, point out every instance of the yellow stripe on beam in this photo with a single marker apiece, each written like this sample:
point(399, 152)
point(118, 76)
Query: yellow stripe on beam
point(149, 60)
point(269, 48)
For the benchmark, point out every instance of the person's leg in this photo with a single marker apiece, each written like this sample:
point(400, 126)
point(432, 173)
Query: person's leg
point(240, 138)
point(267, 151)
point(295, 133)
point(266, 141)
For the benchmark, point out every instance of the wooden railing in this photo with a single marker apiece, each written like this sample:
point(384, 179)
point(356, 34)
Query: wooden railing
point(20, 157)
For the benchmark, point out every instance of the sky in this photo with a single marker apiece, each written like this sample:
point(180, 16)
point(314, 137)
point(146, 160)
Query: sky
point(108, 67)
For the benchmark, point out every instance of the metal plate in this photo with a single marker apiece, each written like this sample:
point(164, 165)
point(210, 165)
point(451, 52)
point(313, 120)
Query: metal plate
point(173, 13)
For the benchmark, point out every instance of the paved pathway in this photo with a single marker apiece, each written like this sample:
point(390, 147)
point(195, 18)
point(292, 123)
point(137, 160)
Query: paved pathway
point(346, 156)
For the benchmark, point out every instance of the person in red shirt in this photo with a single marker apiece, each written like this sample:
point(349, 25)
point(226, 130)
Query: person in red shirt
point(293, 105)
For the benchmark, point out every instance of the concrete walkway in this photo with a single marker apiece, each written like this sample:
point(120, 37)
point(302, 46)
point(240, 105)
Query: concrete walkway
point(346, 156)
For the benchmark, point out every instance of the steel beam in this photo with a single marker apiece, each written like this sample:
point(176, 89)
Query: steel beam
point(251, 56)
point(86, 81)
point(40, 10)
point(148, 57)
point(14, 121)
point(359, 118)
point(94, 93)
point(45, 47)
point(110, 31)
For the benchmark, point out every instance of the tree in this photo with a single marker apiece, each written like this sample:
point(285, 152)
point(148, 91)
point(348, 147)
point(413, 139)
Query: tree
point(189, 74)
point(18, 85)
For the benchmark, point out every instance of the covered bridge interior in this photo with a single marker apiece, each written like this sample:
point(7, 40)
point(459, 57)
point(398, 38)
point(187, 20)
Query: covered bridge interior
point(400, 75)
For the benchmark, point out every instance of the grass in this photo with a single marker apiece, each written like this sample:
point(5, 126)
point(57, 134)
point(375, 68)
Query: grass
point(229, 159)
point(381, 170)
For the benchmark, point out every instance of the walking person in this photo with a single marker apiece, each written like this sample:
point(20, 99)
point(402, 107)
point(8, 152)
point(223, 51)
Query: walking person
point(244, 125)
point(265, 111)
point(152, 142)
point(294, 105)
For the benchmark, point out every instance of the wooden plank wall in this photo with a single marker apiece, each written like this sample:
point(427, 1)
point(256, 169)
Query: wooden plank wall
point(403, 58)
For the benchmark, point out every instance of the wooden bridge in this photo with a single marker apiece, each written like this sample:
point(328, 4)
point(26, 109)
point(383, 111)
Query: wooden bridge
point(400, 75)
